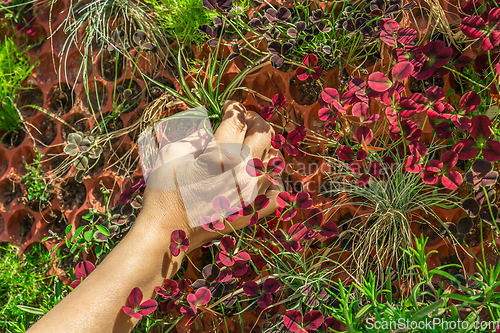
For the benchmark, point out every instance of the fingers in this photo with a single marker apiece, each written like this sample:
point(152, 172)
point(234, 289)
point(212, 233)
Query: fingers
point(233, 127)
point(190, 146)
point(259, 134)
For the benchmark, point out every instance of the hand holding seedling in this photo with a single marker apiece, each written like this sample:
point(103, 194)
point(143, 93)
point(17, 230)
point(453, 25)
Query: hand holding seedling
point(144, 258)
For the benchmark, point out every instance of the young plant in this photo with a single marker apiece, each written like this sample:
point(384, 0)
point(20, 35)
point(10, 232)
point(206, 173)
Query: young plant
point(34, 182)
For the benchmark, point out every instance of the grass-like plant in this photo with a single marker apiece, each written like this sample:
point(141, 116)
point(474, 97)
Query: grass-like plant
point(27, 292)
point(387, 205)
point(14, 68)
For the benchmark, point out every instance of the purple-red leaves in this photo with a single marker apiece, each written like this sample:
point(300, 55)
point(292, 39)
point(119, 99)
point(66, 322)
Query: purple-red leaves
point(468, 103)
point(481, 130)
point(218, 5)
point(82, 270)
point(481, 174)
point(275, 166)
point(402, 70)
point(379, 82)
point(477, 27)
point(222, 207)
point(362, 111)
point(389, 33)
point(168, 290)
point(179, 243)
point(213, 223)
point(295, 323)
point(265, 292)
point(199, 299)
point(292, 142)
point(438, 55)
point(310, 60)
point(435, 170)
point(315, 218)
point(227, 257)
point(288, 204)
point(292, 241)
point(246, 209)
point(278, 51)
point(138, 308)
point(278, 101)
point(330, 105)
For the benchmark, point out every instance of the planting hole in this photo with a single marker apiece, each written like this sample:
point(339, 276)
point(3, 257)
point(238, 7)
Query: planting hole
point(46, 130)
point(305, 92)
point(29, 96)
point(9, 190)
point(79, 122)
point(4, 163)
point(13, 139)
point(123, 159)
point(72, 195)
point(155, 90)
point(269, 84)
point(420, 86)
point(61, 98)
point(97, 97)
point(111, 65)
point(57, 221)
point(132, 101)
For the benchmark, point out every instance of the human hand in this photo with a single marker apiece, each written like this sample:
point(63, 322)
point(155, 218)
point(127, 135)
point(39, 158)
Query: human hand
point(189, 174)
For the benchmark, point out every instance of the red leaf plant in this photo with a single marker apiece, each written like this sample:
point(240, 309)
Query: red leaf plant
point(437, 55)
point(330, 105)
point(480, 130)
point(255, 168)
point(288, 204)
point(310, 60)
point(227, 257)
point(223, 213)
point(82, 270)
point(374, 169)
point(264, 292)
point(441, 170)
point(196, 302)
point(391, 35)
point(315, 219)
point(247, 209)
point(138, 308)
point(479, 27)
point(292, 241)
point(292, 143)
point(179, 243)
point(278, 101)
point(294, 321)
point(169, 289)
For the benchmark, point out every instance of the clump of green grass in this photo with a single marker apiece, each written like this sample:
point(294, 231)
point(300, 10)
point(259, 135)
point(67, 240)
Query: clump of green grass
point(27, 293)
point(14, 69)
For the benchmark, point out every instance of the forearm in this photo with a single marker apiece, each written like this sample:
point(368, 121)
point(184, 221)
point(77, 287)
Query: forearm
point(141, 259)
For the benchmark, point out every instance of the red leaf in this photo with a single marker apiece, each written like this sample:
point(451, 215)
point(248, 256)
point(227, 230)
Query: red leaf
point(466, 149)
point(473, 27)
point(361, 110)
point(491, 151)
point(430, 177)
point(277, 141)
point(292, 320)
point(83, 269)
point(449, 159)
point(402, 70)
point(452, 180)
point(364, 135)
point(310, 60)
point(330, 95)
point(275, 166)
point(279, 100)
point(481, 128)
point(379, 82)
point(312, 320)
point(255, 167)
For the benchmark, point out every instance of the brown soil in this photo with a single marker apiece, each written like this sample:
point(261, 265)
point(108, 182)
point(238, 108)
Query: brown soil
point(269, 84)
point(61, 99)
point(26, 223)
point(305, 92)
point(13, 139)
point(2, 224)
point(4, 163)
point(453, 259)
point(9, 190)
point(420, 86)
point(72, 195)
point(58, 222)
point(36, 205)
point(79, 122)
point(67, 263)
point(474, 237)
point(112, 125)
point(97, 97)
point(154, 90)
point(133, 100)
point(29, 96)
point(98, 167)
point(48, 131)
point(109, 67)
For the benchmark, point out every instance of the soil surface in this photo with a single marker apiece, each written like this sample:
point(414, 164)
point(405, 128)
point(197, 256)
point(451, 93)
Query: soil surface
point(305, 92)
point(79, 122)
point(61, 99)
point(132, 101)
point(48, 131)
point(421, 86)
point(9, 190)
point(29, 96)
point(97, 97)
point(26, 223)
point(109, 70)
point(13, 139)
point(72, 195)
point(155, 91)
point(58, 222)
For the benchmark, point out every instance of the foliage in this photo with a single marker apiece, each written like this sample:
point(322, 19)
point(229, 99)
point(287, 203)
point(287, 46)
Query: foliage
point(20, 14)
point(34, 180)
point(27, 291)
point(14, 68)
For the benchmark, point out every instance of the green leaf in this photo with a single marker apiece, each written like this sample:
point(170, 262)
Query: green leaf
point(81, 162)
point(103, 229)
point(32, 310)
point(71, 149)
point(85, 145)
point(88, 217)
point(426, 310)
point(462, 298)
point(79, 176)
point(78, 232)
point(471, 318)
point(75, 138)
point(95, 152)
point(98, 250)
point(88, 235)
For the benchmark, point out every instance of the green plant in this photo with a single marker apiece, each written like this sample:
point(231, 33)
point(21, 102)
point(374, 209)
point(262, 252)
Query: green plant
point(27, 292)
point(14, 68)
point(34, 180)
point(181, 18)
point(388, 204)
